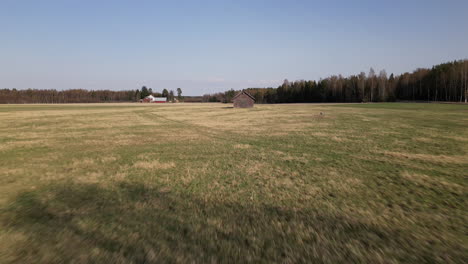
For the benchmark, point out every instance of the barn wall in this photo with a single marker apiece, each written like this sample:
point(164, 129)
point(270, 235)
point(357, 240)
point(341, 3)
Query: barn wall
point(243, 101)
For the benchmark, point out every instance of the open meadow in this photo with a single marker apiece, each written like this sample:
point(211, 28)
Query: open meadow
point(155, 183)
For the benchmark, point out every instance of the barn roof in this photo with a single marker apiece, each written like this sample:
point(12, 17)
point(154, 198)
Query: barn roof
point(244, 92)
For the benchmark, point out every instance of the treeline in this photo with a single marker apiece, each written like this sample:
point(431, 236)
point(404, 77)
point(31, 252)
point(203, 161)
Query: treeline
point(444, 82)
point(51, 96)
point(39, 96)
point(169, 94)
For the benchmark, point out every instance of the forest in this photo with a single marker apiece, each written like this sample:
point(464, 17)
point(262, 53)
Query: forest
point(50, 96)
point(443, 82)
point(36, 96)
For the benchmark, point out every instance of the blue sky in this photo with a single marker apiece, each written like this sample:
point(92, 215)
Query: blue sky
point(209, 46)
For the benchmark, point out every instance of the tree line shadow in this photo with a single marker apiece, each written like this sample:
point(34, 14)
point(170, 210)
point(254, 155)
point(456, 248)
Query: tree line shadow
point(134, 223)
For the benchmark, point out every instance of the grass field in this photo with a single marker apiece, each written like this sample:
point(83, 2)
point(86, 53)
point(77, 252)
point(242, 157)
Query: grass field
point(123, 183)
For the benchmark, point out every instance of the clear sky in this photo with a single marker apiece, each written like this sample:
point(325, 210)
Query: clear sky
point(209, 46)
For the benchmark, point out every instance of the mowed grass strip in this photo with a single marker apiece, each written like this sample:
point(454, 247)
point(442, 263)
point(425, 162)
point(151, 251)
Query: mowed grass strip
point(135, 183)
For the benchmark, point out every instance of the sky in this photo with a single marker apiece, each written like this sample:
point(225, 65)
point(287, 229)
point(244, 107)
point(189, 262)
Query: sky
point(210, 46)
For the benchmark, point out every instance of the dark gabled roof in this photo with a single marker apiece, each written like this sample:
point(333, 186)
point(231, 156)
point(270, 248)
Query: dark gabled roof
point(244, 92)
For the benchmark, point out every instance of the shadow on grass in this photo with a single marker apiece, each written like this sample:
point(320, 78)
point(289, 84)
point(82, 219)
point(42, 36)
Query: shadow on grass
point(133, 223)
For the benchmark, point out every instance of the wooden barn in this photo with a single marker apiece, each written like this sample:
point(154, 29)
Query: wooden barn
point(243, 100)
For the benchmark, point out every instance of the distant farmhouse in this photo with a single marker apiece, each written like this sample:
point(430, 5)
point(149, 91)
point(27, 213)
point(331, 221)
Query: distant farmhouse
point(152, 99)
point(243, 100)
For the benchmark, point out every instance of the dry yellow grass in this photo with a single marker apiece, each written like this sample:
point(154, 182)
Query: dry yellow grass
point(153, 165)
point(134, 183)
point(459, 159)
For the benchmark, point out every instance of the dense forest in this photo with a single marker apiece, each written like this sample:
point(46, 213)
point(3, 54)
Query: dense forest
point(444, 82)
point(37, 96)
